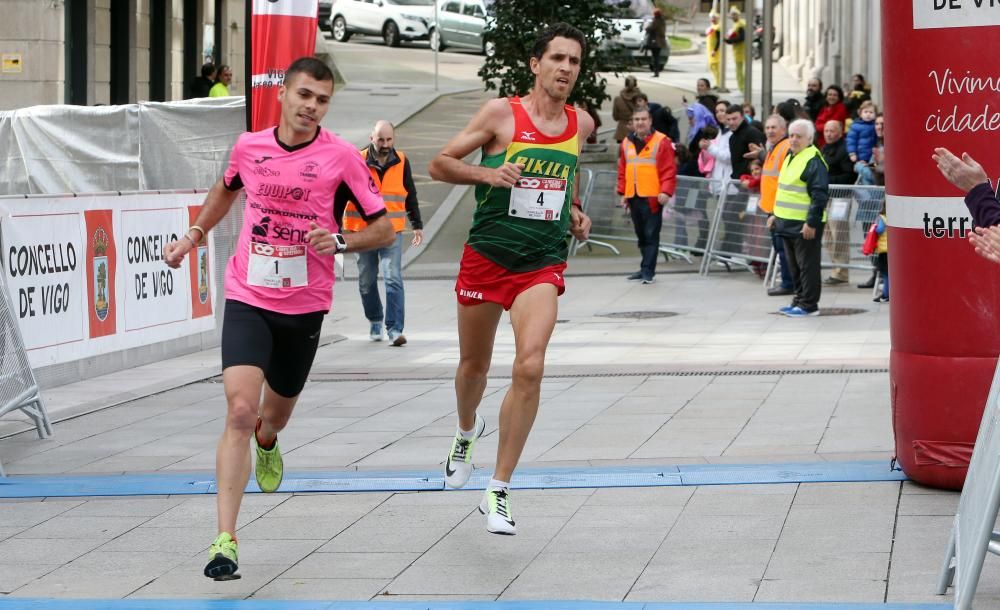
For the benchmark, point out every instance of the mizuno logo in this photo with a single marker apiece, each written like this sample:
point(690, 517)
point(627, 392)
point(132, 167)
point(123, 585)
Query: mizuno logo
point(528, 135)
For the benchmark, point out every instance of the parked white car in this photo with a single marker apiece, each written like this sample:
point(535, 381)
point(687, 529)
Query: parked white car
point(394, 20)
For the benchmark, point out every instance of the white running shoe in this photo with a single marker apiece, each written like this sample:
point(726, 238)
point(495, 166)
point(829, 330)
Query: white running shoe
point(496, 507)
point(458, 466)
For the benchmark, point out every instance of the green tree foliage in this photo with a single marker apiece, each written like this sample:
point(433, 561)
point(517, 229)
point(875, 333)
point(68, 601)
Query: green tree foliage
point(517, 25)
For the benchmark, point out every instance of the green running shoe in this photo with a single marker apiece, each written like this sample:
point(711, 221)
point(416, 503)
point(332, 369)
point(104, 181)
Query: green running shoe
point(270, 468)
point(222, 559)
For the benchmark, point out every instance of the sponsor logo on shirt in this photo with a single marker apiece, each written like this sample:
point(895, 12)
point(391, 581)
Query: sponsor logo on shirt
point(528, 135)
point(261, 160)
point(267, 172)
point(283, 191)
point(308, 171)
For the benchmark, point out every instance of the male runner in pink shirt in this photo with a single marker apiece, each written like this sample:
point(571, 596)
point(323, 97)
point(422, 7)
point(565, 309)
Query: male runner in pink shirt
point(298, 179)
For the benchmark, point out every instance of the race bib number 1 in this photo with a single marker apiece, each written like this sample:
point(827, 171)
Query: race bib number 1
point(537, 198)
point(277, 266)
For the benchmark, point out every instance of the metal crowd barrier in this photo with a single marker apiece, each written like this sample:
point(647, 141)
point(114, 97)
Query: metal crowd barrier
point(686, 225)
point(18, 387)
point(740, 236)
point(721, 220)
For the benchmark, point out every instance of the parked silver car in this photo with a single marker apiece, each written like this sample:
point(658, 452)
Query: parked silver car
point(461, 24)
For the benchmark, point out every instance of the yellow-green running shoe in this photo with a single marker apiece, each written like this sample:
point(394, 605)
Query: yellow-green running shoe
point(222, 558)
point(270, 468)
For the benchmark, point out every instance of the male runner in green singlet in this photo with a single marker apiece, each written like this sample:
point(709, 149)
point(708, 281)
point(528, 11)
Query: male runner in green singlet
point(516, 252)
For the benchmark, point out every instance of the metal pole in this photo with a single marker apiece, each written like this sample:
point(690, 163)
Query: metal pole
point(722, 46)
point(438, 32)
point(748, 56)
point(766, 58)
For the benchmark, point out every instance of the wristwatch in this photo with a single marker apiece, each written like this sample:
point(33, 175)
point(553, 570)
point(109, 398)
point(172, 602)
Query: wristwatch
point(341, 242)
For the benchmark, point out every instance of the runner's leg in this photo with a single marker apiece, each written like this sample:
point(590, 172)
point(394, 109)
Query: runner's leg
point(275, 411)
point(533, 317)
point(477, 329)
point(232, 458)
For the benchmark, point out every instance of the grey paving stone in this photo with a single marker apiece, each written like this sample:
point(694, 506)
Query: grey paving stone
point(356, 565)
point(124, 507)
point(348, 589)
point(595, 575)
point(606, 539)
point(187, 580)
point(28, 514)
point(821, 590)
point(684, 585)
point(104, 528)
point(790, 563)
point(105, 575)
point(34, 551)
point(641, 496)
point(475, 579)
point(14, 576)
point(191, 539)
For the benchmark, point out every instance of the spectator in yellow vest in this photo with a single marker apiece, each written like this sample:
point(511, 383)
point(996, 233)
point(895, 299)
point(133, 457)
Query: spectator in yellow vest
point(222, 80)
point(391, 172)
point(800, 215)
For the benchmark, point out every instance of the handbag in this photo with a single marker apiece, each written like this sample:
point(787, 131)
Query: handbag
point(871, 240)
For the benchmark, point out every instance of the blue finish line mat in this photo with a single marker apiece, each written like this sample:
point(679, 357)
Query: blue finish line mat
point(222, 604)
point(166, 483)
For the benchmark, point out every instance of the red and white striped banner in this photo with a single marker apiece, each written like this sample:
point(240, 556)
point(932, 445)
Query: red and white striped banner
point(281, 31)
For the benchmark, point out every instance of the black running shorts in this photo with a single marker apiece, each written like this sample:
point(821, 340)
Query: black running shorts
point(281, 345)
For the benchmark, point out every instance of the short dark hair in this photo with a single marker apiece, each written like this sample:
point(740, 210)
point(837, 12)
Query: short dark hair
point(836, 88)
point(310, 66)
point(734, 108)
point(563, 30)
point(708, 84)
point(646, 110)
point(641, 96)
point(207, 69)
point(790, 110)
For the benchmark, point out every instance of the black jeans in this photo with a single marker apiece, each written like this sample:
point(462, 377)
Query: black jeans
point(647, 229)
point(654, 64)
point(804, 258)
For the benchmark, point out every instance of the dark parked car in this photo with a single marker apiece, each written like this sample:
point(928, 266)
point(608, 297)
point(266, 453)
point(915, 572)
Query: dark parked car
point(324, 14)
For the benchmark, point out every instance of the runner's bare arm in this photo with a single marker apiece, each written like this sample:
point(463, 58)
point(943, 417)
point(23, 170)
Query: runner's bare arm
point(449, 165)
point(579, 221)
point(378, 234)
point(217, 203)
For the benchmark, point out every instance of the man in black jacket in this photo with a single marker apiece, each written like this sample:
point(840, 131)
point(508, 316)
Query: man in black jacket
point(841, 172)
point(739, 145)
point(815, 99)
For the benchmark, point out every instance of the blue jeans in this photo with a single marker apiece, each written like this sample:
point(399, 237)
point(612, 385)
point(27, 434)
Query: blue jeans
point(647, 229)
point(786, 273)
point(389, 260)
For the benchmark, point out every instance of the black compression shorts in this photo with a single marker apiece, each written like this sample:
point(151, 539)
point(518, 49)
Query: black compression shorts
point(281, 345)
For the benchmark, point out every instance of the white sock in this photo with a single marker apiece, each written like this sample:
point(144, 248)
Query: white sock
point(495, 484)
point(467, 434)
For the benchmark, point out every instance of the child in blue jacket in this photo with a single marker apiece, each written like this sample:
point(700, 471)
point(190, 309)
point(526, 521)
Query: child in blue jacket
point(861, 139)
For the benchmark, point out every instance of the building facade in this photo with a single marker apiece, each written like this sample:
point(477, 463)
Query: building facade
point(831, 40)
point(91, 52)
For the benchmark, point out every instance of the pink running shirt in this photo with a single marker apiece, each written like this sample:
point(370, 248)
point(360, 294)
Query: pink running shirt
point(287, 187)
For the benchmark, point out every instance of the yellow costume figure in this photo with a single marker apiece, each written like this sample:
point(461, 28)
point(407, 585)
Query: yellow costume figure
point(737, 37)
point(714, 44)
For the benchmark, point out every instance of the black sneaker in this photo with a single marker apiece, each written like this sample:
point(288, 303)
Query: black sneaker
point(635, 277)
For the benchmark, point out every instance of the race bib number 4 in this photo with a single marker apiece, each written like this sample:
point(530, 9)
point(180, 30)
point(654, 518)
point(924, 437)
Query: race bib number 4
point(277, 266)
point(537, 198)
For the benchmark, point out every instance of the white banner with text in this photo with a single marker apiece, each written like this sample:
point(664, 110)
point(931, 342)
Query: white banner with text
point(86, 277)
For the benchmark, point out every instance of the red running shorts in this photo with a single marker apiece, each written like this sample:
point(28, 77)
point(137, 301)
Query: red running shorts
point(480, 280)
